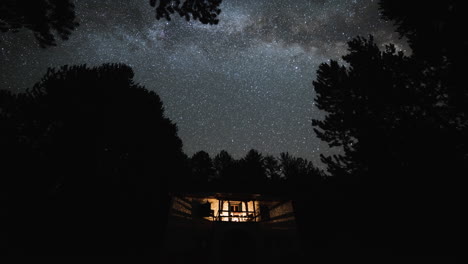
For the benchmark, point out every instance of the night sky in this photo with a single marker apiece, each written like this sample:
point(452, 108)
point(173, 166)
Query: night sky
point(244, 83)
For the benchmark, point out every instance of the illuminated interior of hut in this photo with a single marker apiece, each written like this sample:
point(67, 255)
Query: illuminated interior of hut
point(232, 211)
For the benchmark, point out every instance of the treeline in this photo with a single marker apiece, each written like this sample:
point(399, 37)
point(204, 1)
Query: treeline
point(252, 173)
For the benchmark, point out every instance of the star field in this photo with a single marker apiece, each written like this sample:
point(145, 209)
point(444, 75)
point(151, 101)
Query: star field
point(244, 83)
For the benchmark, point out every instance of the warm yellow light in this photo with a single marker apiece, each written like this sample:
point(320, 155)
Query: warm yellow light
point(246, 210)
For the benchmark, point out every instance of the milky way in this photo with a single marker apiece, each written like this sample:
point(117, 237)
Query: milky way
point(244, 83)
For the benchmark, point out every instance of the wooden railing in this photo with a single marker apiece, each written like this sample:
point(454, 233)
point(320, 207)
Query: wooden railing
point(240, 216)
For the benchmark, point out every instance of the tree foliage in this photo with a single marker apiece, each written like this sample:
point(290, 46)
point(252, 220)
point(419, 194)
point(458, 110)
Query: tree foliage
point(254, 173)
point(47, 19)
point(272, 168)
point(401, 122)
point(434, 36)
point(390, 116)
point(224, 165)
point(88, 143)
point(432, 28)
point(202, 167)
point(365, 103)
point(253, 168)
point(205, 11)
point(52, 19)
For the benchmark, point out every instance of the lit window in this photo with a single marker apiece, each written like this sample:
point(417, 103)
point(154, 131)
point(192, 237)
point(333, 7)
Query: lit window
point(235, 208)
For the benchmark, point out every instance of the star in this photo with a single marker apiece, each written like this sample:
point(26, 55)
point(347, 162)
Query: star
point(244, 83)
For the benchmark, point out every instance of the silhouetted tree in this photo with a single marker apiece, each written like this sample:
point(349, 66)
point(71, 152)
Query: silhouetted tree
point(299, 172)
point(432, 29)
point(224, 164)
point(272, 168)
point(206, 11)
point(90, 152)
point(46, 18)
point(202, 167)
point(362, 101)
point(434, 36)
point(387, 112)
point(291, 167)
point(253, 171)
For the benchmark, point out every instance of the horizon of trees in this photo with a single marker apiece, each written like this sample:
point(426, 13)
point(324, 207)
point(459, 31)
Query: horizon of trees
point(252, 171)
